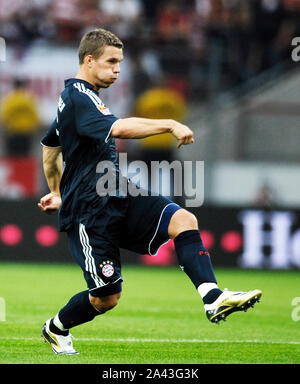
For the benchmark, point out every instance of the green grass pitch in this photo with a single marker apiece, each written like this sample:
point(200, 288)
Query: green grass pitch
point(159, 319)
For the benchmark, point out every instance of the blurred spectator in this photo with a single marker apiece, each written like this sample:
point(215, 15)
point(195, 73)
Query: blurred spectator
point(19, 119)
point(141, 81)
point(268, 16)
point(66, 15)
point(173, 29)
point(281, 46)
point(127, 10)
point(22, 22)
point(173, 20)
point(150, 9)
point(161, 103)
point(124, 15)
point(265, 197)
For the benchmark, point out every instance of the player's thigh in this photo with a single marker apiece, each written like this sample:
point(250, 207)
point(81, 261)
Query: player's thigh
point(96, 251)
point(145, 217)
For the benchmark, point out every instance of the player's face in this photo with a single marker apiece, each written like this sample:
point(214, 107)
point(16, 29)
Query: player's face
point(106, 68)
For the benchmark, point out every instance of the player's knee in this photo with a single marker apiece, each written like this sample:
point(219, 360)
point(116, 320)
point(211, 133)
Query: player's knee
point(104, 304)
point(190, 220)
point(181, 221)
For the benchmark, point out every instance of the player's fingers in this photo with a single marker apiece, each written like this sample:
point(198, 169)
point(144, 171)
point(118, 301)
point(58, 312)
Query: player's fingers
point(41, 205)
point(49, 209)
point(184, 141)
point(188, 140)
point(191, 137)
point(180, 142)
point(44, 201)
point(42, 208)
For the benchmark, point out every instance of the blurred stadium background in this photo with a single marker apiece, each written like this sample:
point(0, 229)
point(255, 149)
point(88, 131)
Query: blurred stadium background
point(224, 67)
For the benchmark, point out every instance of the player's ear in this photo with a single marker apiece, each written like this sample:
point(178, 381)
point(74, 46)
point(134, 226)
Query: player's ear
point(88, 60)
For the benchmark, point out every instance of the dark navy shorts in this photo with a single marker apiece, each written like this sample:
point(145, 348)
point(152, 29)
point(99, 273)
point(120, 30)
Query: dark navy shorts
point(139, 224)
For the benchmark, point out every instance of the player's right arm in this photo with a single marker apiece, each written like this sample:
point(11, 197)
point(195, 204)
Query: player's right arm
point(53, 167)
point(138, 128)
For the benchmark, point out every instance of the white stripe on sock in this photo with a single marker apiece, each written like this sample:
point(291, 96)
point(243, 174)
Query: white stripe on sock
point(204, 288)
point(58, 323)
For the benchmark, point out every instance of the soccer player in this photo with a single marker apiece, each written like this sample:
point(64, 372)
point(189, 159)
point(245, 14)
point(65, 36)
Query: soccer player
point(97, 224)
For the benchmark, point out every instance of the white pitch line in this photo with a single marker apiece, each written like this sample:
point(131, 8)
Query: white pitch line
point(136, 340)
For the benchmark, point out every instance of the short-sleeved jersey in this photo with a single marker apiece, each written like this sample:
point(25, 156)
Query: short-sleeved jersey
point(82, 130)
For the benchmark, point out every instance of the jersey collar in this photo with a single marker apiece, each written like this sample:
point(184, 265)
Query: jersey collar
point(69, 82)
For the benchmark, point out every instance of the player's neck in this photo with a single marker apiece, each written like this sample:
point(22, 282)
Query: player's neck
point(82, 75)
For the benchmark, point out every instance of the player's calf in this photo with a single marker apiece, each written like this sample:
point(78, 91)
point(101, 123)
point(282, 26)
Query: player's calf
point(193, 257)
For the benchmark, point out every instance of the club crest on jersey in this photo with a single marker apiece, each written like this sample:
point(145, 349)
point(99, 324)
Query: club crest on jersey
point(107, 268)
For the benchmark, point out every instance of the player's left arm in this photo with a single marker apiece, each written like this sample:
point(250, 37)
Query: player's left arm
point(138, 128)
point(53, 166)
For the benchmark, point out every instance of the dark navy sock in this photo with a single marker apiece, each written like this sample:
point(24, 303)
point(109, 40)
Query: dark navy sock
point(77, 311)
point(211, 296)
point(53, 328)
point(193, 258)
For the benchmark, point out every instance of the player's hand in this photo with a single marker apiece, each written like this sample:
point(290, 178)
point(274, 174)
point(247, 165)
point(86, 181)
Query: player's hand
point(50, 203)
point(183, 134)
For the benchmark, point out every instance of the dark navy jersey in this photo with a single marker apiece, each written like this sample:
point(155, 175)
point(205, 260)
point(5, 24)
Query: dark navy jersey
point(82, 130)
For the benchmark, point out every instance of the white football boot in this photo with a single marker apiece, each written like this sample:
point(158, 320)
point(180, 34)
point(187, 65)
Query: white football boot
point(229, 302)
point(61, 345)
